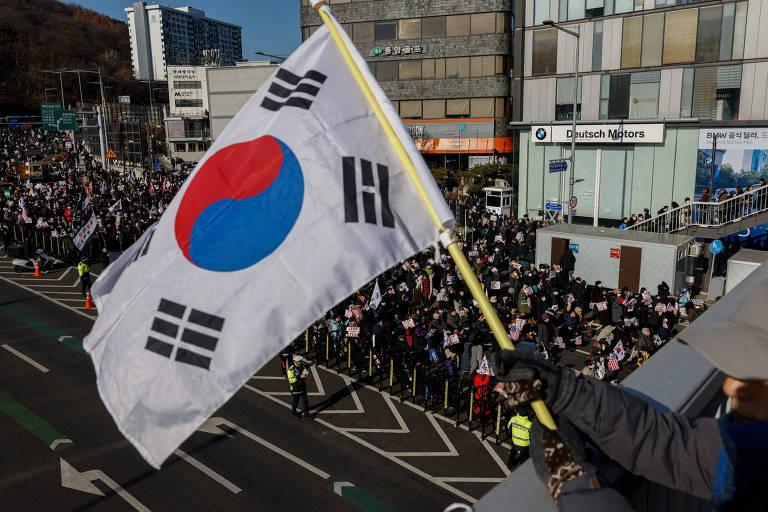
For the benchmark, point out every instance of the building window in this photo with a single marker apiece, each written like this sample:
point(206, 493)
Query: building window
point(457, 25)
point(428, 69)
point(484, 23)
point(362, 32)
point(456, 109)
point(708, 34)
point(540, 11)
point(631, 42)
point(653, 37)
point(630, 96)
point(564, 100)
point(410, 70)
point(386, 71)
point(545, 52)
point(434, 109)
point(433, 27)
point(711, 93)
point(189, 103)
point(181, 147)
point(410, 109)
point(187, 85)
point(385, 30)
point(481, 107)
point(597, 46)
point(410, 29)
point(680, 36)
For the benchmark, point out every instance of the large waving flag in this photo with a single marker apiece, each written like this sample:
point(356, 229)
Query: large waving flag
point(299, 202)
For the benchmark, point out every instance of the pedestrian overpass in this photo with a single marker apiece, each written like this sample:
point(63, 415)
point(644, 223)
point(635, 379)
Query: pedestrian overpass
point(712, 220)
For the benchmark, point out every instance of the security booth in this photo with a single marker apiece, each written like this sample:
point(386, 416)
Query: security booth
point(617, 257)
point(498, 198)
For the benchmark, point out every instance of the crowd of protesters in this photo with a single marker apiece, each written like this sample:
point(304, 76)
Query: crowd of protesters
point(426, 319)
point(420, 315)
point(58, 201)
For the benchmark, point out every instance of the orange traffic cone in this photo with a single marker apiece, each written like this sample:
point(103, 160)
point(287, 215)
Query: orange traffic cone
point(37, 269)
point(88, 300)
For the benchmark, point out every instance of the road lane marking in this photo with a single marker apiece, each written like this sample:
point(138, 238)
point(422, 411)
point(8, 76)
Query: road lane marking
point(208, 471)
point(212, 426)
point(360, 498)
point(33, 423)
point(374, 449)
point(466, 479)
point(51, 299)
point(82, 481)
point(25, 358)
point(43, 327)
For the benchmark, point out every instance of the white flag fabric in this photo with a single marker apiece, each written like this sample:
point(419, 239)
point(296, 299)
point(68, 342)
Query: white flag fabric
point(619, 351)
point(375, 300)
point(299, 202)
point(84, 233)
point(117, 207)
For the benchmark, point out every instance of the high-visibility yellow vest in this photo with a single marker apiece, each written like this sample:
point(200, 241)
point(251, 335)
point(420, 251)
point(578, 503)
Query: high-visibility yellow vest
point(83, 268)
point(520, 427)
point(292, 377)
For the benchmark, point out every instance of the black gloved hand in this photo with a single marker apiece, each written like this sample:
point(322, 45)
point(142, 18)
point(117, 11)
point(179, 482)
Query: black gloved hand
point(558, 457)
point(529, 377)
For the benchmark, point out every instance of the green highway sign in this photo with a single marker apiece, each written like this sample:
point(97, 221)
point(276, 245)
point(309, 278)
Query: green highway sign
point(55, 118)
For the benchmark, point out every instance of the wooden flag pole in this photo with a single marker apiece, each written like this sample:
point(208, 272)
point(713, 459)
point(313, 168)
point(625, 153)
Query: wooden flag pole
point(446, 237)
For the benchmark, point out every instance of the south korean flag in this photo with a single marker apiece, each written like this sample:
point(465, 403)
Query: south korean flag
point(301, 200)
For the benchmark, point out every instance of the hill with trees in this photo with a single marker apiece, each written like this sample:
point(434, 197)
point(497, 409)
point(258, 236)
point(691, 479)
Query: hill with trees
point(48, 34)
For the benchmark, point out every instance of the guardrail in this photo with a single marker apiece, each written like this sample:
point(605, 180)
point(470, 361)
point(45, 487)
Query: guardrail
point(30, 239)
point(460, 396)
point(707, 214)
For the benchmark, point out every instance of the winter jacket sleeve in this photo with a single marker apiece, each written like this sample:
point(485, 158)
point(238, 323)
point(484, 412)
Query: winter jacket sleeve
point(665, 448)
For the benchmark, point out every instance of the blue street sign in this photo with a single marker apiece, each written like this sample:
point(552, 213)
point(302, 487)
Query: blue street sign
point(716, 247)
point(558, 165)
point(157, 165)
point(553, 207)
point(574, 248)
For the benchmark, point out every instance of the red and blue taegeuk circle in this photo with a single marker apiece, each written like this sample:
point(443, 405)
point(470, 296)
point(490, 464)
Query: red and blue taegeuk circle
point(240, 205)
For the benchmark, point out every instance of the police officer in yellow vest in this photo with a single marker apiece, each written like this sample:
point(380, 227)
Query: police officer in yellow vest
point(297, 380)
point(84, 272)
point(519, 427)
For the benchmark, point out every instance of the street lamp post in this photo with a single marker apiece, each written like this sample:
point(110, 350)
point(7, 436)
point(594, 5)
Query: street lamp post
point(571, 173)
point(61, 82)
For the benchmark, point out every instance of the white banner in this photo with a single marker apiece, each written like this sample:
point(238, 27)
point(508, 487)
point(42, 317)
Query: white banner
point(735, 138)
point(81, 237)
point(618, 133)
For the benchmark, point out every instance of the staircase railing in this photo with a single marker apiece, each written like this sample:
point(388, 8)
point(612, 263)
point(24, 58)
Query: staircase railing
point(707, 214)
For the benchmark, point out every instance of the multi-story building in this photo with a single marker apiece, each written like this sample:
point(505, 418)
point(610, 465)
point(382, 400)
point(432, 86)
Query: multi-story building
point(658, 81)
point(203, 101)
point(444, 64)
point(163, 36)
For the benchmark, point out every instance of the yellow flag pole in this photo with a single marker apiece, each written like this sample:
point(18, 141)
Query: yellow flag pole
point(542, 413)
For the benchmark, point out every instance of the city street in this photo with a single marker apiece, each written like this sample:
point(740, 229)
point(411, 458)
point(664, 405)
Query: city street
point(251, 455)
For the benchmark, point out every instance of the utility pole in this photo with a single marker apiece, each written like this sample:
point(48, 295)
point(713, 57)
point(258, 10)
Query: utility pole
point(571, 172)
point(712, 168)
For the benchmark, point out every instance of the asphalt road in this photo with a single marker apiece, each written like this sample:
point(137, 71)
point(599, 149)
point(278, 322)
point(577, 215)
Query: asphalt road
point(62, 452)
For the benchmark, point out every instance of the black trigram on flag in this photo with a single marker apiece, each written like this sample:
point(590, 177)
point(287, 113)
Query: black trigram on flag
point(289, 95)
point(370, 192)
point(181, 333)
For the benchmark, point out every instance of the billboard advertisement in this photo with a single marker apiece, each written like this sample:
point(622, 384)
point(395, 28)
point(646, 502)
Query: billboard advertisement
point(739, 155)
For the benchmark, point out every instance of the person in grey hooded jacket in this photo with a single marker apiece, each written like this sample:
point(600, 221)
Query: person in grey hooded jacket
point(723, 460)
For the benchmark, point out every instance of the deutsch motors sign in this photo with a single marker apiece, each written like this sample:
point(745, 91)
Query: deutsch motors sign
point(619, 133)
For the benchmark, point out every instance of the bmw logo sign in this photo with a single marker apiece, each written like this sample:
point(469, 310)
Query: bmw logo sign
point(541, 134)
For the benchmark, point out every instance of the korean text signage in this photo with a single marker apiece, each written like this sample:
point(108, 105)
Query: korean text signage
point(388, 51)
point(739, 158)
point(56, 118)
point(600, 133)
